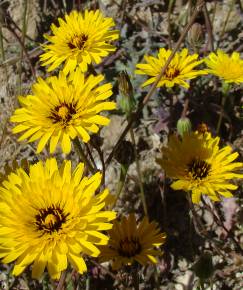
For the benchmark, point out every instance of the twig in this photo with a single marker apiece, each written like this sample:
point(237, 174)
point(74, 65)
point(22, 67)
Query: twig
point(33, 53)
point(82, 155)
point(225, 91)
point(22, 45)
point(1, 43)
point(61, 282)
point(171, 3)
point(90, 155)
point(185, 108)
point(154, 86)
point(208, 27)
point(24, 50)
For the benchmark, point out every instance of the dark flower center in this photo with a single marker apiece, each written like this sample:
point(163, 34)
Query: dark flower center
point(171, 73)
point(199, 169)
point(78, 41)
point(129, 247)
point(63, 113)
point(50, 219)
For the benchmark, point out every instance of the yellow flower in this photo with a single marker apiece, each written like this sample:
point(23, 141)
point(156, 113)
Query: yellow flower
point(51, 217)
point(179, 70)
point(130, 241)
point(63, 108)
point(81, 39)
point(200, 166)
point(228, 68)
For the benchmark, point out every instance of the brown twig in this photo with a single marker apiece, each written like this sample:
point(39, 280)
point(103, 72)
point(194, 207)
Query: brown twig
point(171, 3)
point(24, 50)
point(209, 28)
point(154, 86)
point(61, 282)
point(185, 108)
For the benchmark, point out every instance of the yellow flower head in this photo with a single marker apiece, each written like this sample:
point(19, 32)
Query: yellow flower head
point(180, 69)
point(130, 241)
point(228, 68)
point(81, 39)
point(200, 166)
point(63, 108)
point(51, 217)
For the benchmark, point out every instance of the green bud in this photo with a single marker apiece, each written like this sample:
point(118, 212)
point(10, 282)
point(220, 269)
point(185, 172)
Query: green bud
point(126, 99)
point(195, 36)
point(204, 268)
point(184, 126)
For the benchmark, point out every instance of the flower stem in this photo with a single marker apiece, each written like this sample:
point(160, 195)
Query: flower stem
point(123, 175)
point(61, 282)
point(140, 178)
point(82, 155)
point(225, 90)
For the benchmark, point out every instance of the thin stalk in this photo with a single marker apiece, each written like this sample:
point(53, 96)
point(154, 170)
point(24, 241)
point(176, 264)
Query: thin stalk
point(87, 282)
point(226, 22)
point(171, 3)
point(154, 86)
point(140, 178)
point(24, 28)
point(101, 155)
point(62, 280)
point(1, 43)
point(24, 50)
point(208, 27)
point(121, 182)
point(82, 155)
point(225, 90)
point(90, 155)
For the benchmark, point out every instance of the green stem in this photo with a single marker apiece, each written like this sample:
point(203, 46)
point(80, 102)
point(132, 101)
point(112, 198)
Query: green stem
point(140, 178)
point(123, 174)
point(225, 90)
point(82, 155)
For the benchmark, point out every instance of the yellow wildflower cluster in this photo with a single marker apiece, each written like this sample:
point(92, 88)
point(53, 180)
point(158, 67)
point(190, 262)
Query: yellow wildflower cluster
point(51, 215)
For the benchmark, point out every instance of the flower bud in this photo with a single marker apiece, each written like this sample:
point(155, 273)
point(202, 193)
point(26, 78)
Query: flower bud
point(195, 36)
point(204, 268)
point(126, 99)
point(183, 126)
point(125, 153)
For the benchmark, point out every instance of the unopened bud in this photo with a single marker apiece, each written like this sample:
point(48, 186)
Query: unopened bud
point(183, 126)
point(125, 153)
point(195, 36)
point(126, 99)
